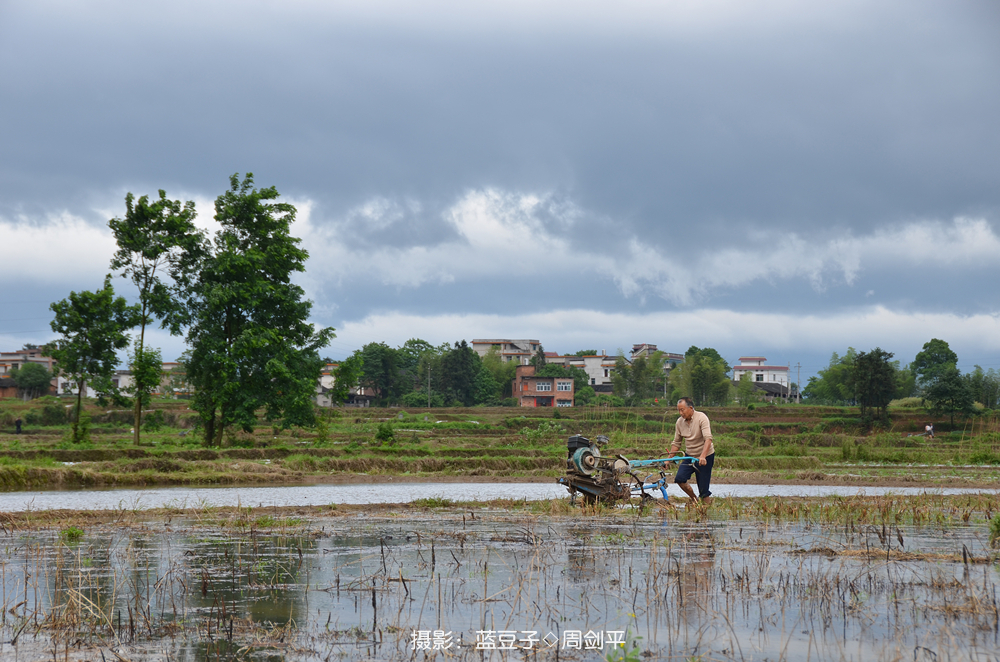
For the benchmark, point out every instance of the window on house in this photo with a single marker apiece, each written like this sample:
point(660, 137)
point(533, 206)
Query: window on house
point(564, 403)
point(543, 386)
point(607, 372)
point(760, 377)
point(564, 386)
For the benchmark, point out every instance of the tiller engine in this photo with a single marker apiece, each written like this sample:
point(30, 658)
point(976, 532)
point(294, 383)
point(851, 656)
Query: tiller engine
point(611, 479)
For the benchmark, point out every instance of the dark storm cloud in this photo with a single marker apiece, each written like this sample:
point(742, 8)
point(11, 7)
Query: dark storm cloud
point(674, 158)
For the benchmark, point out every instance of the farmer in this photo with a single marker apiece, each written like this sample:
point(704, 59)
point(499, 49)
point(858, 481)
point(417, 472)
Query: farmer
point(929, 430)
point(694, 428)
point(17, 425)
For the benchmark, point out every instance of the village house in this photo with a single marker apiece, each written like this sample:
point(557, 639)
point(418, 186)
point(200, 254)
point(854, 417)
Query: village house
point(769, 380)
point(518, 351)
point(533, 391)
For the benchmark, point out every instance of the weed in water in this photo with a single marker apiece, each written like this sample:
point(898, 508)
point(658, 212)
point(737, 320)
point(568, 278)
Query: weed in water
point(71, 534)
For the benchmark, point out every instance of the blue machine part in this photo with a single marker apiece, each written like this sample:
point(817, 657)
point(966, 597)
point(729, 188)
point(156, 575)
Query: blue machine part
point(635, 464)
point(662, 483)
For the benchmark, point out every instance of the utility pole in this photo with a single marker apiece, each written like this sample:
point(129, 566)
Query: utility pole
point(798, 383)
point(428, 387)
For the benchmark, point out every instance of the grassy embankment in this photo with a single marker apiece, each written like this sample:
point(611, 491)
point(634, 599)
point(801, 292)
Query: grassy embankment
point(767, 444)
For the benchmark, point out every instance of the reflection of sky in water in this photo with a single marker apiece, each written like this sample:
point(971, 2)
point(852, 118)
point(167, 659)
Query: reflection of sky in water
point(380, 491)
point(719, 590)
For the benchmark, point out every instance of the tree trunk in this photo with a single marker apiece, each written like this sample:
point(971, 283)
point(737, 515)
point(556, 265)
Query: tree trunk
point(79, 404)
point(138, 394)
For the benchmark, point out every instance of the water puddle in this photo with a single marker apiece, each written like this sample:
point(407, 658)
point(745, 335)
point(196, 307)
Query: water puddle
point(490, 586)
point(381, 492)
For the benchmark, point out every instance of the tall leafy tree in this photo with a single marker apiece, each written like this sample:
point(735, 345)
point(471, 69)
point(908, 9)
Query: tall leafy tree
point(157, 244)
point(347, 376)
point(932, 362)
point(381, 371)
point(33, 380)
point(950, 394)
point(252, 346)
point(832, 385)
point(985, 386)
point(459, 367)
point(635, 381)
point(702, 376)
point(408, 358)
point(873, 378)
point(93, 329)
point(503, 372)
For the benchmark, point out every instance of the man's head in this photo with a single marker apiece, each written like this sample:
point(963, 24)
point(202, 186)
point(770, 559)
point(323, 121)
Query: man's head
point(685, 407)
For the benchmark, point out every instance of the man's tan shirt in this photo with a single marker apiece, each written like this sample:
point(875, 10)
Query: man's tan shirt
point(695, 433)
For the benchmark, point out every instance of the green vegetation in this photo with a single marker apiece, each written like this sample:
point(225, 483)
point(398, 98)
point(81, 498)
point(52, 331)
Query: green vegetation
point(71, 534)
point(767, 444)
point(92, 328)
point(155, 239)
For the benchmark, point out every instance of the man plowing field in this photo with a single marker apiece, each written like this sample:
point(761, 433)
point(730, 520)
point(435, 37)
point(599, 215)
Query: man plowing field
point(616, 479)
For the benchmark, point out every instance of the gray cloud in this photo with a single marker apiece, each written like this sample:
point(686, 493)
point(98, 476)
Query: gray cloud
point(780, 157)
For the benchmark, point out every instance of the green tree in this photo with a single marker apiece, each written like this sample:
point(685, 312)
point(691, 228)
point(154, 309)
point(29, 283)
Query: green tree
point(487, 389)
point(347, 376)
point(503, 372)
point(459, 367)
point(252, 346)
point(873, 379)
point(932, 362)
point(906, 381)
point(92, 328)
point(33, 380)
point(832, 385)
point(380, 372)
point(702, 376)
point(636, 381)
point(585, 352)
point(539, 360)
point(950, 394)
point(408, 358)
point(745, 389)
point(155, 240)
point(985, 386)
point(147, 374)
point(585, 396)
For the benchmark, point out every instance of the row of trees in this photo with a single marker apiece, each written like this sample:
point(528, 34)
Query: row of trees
point(419, 374)
point(872, 380)
point(251, 346)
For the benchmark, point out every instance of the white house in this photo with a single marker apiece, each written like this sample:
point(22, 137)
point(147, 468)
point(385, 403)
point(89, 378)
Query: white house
point(759, 371)
point(518, 351)
point(597, 366)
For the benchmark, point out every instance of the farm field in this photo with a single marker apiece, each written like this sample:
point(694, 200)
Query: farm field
point(843, 578)
point(769, 444)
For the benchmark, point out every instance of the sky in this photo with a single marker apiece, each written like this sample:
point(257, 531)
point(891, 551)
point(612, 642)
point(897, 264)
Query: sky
point(779, 178)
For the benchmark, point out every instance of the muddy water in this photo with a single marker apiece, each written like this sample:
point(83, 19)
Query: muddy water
point(474, 585)
point(379, 491)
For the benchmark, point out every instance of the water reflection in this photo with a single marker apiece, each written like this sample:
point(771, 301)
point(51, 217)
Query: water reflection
point(319, 495)
point(255, 587)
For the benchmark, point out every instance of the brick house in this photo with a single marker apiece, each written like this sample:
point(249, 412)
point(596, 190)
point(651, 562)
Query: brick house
point(532, 391)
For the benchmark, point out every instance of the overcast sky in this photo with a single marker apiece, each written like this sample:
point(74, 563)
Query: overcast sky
point(768, 178)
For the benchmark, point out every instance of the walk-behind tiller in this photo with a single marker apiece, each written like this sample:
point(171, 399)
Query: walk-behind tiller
point(611, 479)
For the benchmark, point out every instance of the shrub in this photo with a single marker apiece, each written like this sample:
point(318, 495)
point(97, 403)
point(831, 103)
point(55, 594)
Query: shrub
point(995, 531)
point(152, 421)
point(52, 412)
point(385, 433)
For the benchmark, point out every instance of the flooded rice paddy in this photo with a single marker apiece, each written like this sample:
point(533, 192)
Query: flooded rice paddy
point(382, 490)
point(484, 584)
